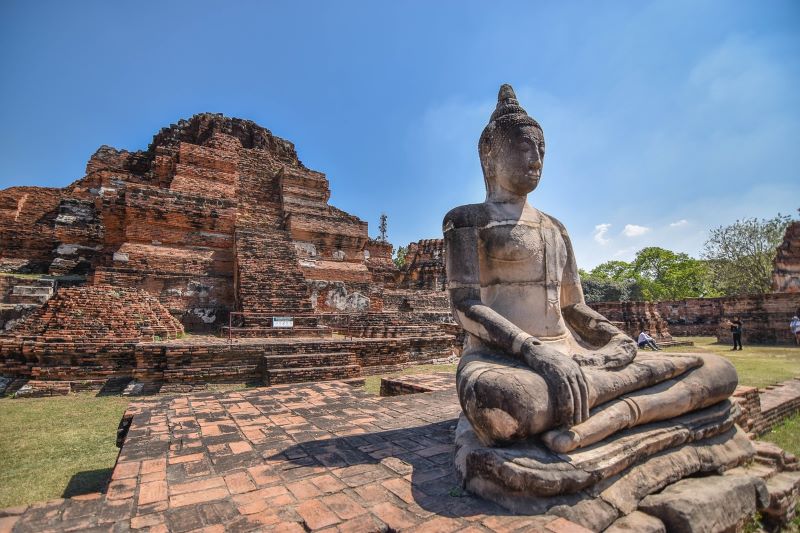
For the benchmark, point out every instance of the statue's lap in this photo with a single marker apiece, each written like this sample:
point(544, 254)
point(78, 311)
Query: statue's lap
point(505, 401)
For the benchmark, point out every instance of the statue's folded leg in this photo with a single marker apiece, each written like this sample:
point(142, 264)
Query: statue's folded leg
point(704, 386)
point(503, 400)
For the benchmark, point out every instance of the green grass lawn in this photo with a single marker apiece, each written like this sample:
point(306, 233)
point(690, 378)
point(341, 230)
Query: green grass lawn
point(786, 435)
point(757, 366)
point(50, 447)
point(372, 384)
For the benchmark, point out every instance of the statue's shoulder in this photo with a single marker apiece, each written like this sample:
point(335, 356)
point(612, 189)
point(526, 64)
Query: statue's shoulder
point(466, 216)
point(560, 227)
point(553, 220)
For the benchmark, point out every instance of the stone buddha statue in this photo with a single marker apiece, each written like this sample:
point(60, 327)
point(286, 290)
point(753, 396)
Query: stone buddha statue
point(539, 366)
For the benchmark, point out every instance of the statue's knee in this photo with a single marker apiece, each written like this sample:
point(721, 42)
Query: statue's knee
point(719, 374)
point(506, 404)
point(497, 426)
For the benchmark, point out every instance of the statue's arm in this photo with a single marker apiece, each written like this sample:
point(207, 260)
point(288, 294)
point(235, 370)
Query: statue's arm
point(461, 260)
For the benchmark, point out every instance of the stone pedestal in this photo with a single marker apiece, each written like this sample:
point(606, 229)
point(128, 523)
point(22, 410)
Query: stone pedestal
point(595, 486)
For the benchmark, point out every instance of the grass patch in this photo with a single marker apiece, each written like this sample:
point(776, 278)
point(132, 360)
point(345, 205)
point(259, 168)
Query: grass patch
point(50, 447)
point(757, 366)
point(372, 384)
point(786, 434)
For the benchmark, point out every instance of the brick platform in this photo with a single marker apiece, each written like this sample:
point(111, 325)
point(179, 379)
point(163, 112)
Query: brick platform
point(324, 457)
point(417, 383)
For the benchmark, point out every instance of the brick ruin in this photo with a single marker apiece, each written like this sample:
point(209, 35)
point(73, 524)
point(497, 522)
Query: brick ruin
point(221, 222)
point(633, 317)
point(786, 267)
point(425, 266)
point(765, 317)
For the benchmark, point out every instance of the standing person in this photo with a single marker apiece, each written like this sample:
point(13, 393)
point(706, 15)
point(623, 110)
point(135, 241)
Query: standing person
point(646, 341)
point(736, 329)
point(794, 325)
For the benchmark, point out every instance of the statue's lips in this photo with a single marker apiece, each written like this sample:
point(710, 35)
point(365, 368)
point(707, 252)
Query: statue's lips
point(533, 174)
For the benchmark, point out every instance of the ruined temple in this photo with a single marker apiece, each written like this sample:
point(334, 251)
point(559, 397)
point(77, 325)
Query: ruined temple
point(221, 223)
point(216, 215)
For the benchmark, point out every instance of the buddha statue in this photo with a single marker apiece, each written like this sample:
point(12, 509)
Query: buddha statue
point(539, 367)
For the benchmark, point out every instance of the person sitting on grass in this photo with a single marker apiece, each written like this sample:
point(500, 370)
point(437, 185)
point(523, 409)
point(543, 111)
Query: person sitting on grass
point(646, 341)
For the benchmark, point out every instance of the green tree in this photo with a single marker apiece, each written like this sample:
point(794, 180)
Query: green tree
point(666, 275)
point(740, 255)
point(655, 274)
point(400, 256)
point(612, 281)
point(613, 270)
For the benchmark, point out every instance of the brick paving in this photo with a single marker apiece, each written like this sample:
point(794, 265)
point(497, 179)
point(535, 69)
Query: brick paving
point(322, 457)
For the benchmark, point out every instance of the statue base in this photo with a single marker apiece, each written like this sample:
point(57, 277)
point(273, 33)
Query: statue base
point(596, 485)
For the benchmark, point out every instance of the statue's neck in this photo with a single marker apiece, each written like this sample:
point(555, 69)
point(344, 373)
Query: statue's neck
point(502, 196)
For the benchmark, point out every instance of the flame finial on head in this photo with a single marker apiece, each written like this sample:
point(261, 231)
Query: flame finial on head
point(508, 114)
point(507, 103)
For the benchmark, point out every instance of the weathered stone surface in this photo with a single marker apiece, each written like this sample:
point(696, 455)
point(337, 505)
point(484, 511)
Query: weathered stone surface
point(784, 489)
point(637, 522)
point(85, 333)
point(707, 505)
point(425, 266)
point(530, 468)
point(633, 317)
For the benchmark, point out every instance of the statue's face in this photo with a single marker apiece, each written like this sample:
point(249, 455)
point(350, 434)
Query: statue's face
point(518, 163)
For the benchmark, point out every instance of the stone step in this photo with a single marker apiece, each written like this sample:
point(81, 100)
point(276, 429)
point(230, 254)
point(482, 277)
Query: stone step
point(300, 360)
point(320, 373)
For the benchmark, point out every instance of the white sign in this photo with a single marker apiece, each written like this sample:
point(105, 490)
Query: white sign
point(282, 322)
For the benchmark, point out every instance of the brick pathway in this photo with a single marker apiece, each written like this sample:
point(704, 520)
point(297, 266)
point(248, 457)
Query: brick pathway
point(323, 457)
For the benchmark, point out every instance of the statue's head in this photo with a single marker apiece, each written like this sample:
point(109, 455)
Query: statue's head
point(511, 147)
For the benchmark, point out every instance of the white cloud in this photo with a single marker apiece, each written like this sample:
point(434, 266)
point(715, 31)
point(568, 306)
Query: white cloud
point(632, 230)
point(600, 232)
point(678, 223)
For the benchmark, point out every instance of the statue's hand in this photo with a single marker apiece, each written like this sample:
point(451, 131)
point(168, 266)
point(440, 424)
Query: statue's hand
point(564, 377)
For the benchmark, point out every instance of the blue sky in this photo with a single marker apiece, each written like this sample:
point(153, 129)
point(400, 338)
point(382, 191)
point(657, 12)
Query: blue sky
point(662, 119)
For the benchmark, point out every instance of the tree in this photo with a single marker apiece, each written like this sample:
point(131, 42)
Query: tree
point(382, 227)
point(666, 275)
point(612, 281)
point(740, 256)
point(655, 274)
point(400, 256)
point(613, 270)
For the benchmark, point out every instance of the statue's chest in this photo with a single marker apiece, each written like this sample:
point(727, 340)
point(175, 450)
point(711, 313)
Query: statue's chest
point(522, 251)
point(509, 242)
